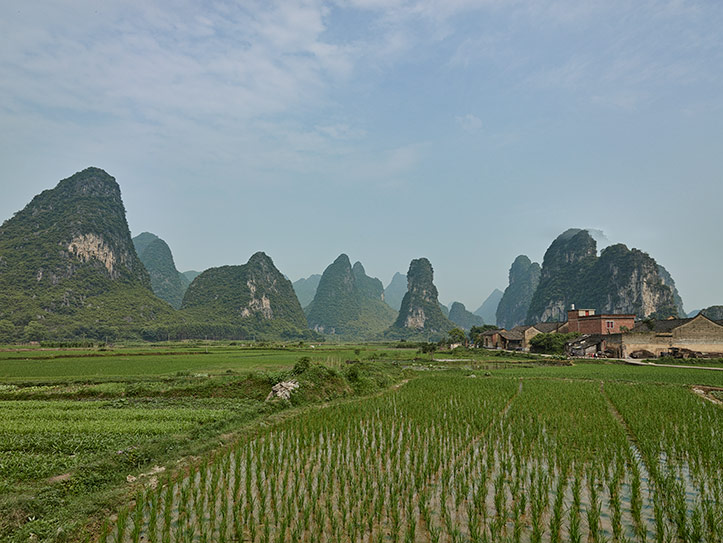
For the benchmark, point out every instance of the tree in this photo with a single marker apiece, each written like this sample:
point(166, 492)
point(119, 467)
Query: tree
point(552, 343)
point(457, 335)
point(34, 331)
point(7, 331)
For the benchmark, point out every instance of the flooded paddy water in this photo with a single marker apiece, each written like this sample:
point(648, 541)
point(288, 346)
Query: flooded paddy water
point(459, 459)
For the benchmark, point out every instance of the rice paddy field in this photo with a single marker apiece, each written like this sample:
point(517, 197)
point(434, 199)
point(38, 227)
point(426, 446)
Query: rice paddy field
point(380, 445)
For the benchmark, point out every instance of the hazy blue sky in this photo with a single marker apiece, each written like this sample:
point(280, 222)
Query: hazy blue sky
point(465, 131)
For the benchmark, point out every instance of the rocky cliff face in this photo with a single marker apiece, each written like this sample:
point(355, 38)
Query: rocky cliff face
point(459, 315)
point(76, 228)
point(627, 281)
point(564, 269)
point(255, 293)
point(348, 302)
point(620, 280)
point(420, 309)
point(167, 282)
point(67, 262)
point(515, 302)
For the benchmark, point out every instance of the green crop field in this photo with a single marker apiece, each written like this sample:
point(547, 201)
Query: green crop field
point(377, 445)
point(456, 458)
point(131, 362)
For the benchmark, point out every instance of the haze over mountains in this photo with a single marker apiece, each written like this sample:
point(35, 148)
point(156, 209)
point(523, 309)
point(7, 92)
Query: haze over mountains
point(68, 268)
point(459, 315)
point(305, 288)
point(166, 281)
point(488, 309)
point(395, 291)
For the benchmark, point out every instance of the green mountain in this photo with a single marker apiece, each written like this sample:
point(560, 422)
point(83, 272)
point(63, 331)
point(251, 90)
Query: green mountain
point(395, 291)
point(142, 240)
point(488, 309)
point(667, 279)
point(306, 289)
point(515, 302)
point(190, 275)
point(68, 267)
point(167, 282)
point(369, 287)
point(566, 264)
point(459, 315)
point(255, 297)
point(376, 315)
point(348, 303)
point(714, 312)
point(337, 301)
point(420, 314)
point(620, 280)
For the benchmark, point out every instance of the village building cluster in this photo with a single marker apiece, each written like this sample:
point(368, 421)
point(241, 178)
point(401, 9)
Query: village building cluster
point(620, 336)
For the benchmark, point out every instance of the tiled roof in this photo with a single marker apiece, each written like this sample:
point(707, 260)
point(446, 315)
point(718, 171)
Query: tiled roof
point(547, 327)
point(659, 327)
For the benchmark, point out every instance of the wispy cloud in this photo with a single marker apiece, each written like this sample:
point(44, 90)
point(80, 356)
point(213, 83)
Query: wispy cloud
point(469, 123)
point(154, 60)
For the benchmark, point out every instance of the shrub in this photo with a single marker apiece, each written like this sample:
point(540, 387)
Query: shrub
point(302, 364)
point(552, 343)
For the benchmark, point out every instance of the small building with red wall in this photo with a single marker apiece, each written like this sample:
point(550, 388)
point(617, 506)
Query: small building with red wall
point(585, 321)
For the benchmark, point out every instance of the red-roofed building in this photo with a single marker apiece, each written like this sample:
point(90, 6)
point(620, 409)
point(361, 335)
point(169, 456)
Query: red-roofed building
point(585, 321)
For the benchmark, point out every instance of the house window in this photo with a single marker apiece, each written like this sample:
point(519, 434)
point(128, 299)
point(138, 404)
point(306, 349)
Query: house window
point(610, 325)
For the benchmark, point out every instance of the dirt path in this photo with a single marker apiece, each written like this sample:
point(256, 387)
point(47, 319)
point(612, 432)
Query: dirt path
point(639, 363)
point(705, 393)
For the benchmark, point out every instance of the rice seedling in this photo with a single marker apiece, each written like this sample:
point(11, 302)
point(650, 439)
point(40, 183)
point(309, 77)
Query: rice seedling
point(449, 458)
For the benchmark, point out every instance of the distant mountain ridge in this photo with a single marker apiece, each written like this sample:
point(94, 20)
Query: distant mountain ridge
point(348, 302)
point(305, 289)
point(488, 309)
point(166, 281)
point(714, 312)
point(69, 268)
point(395, 291)
point(459, 315)
point(190, 275)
